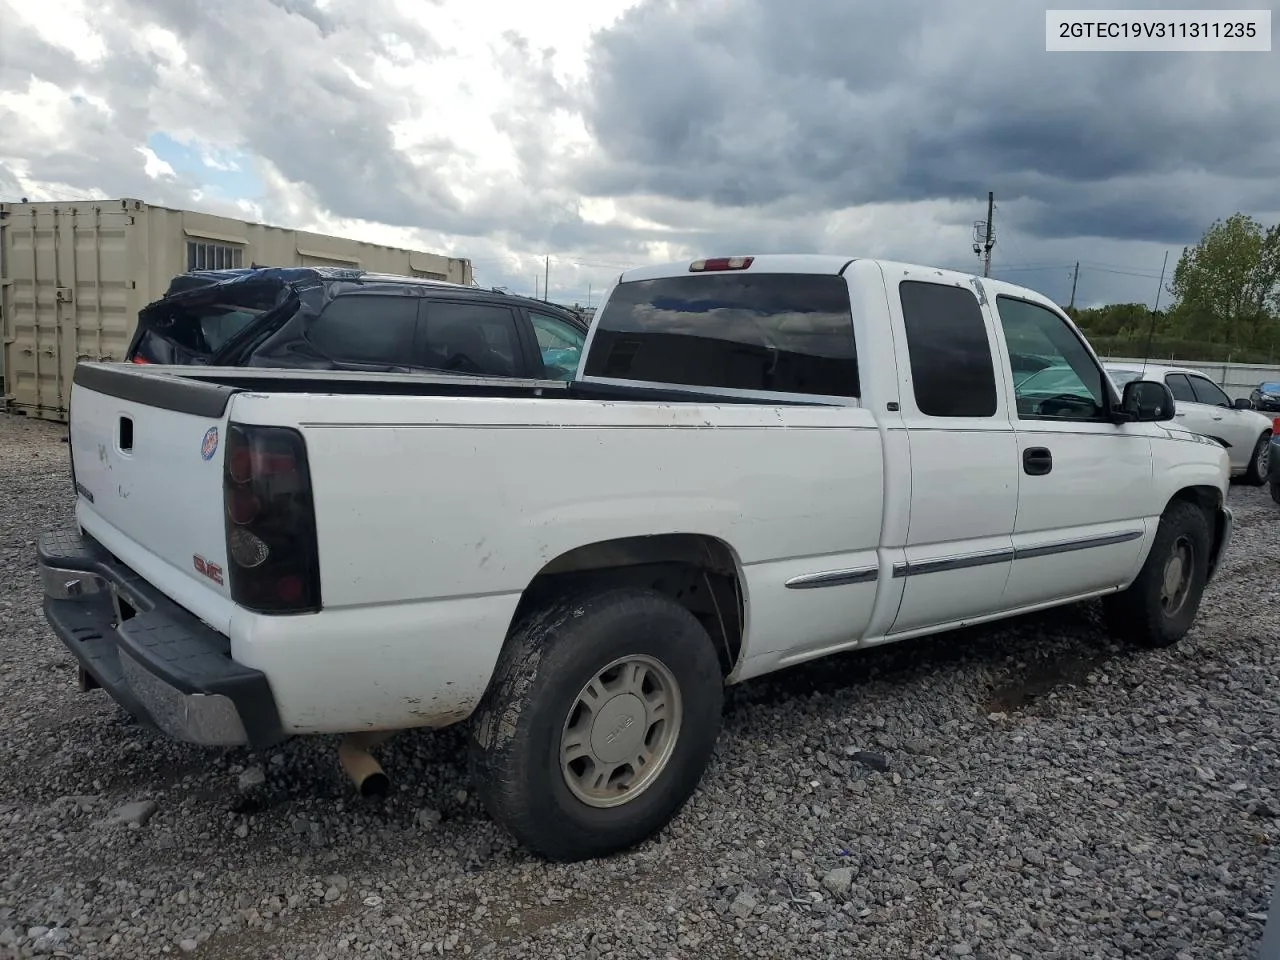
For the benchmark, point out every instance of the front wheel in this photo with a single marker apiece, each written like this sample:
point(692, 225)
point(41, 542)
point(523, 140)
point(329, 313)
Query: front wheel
point(599, 723)
point(1260, 462)
point(1158, 608)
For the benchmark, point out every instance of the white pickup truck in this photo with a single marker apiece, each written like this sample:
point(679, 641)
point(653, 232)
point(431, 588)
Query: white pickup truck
point(760, 461)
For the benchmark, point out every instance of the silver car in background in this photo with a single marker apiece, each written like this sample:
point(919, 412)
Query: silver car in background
point(1203, 407)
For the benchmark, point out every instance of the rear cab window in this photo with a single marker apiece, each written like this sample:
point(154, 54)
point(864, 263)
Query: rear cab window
point(771, 333)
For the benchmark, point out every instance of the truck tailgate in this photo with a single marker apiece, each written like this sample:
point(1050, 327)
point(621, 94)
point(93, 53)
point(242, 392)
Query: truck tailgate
point(147, 458)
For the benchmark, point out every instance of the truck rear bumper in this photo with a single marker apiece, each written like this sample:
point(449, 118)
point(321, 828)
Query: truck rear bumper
point(157, 660)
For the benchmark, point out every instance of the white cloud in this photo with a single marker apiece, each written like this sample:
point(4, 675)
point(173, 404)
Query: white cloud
point(155, 168)
point(604, 136)
point(65, 24)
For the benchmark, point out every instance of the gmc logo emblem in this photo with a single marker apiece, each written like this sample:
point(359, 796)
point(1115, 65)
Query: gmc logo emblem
point(207, 569)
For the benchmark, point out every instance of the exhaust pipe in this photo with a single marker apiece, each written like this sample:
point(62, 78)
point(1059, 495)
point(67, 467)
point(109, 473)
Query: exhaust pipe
point(365, 772)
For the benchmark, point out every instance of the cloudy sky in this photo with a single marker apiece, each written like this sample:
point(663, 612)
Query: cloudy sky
point(612, 133)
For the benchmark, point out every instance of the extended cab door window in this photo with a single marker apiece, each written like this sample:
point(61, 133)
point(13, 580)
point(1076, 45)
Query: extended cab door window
point(366, 330)
point(1069, 385)
point(560, 344)
point(474, 338)
point(952, 372)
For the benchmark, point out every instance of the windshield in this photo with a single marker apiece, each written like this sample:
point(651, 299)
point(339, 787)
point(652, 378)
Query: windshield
point(1270, 387)
point(1121, 377)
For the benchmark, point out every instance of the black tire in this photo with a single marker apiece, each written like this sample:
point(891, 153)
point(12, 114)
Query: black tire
point(1138, 613)
point(1275, 490)
point(1256, 473)
point(515, 747)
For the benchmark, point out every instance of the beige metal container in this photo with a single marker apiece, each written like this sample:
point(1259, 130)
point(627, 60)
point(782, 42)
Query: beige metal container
point(73, 277)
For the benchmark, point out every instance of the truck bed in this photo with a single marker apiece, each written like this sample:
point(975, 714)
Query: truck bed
point(439, 499)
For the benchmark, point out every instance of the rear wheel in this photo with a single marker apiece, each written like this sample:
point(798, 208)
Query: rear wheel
point(601, 718)
point(1159, 607)
point(1260, 463)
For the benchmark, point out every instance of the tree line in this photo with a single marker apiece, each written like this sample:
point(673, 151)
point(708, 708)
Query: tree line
point(1225, 302)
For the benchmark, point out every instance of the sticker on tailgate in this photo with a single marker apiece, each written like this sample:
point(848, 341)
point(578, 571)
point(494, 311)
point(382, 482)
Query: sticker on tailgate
point(209, 446)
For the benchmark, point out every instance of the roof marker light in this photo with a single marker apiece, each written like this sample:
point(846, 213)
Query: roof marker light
point(720, 263)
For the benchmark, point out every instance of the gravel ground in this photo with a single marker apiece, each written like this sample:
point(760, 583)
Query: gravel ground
point(1024, 791)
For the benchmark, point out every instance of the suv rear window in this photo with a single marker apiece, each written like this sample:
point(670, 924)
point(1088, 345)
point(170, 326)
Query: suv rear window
point(785, 333)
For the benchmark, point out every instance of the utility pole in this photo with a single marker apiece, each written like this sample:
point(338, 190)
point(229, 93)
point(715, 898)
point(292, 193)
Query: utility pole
point(984, 235)
point(1074, 277)
point(546, 281)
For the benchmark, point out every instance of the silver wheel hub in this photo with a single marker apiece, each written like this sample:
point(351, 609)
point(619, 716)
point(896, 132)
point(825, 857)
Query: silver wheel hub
point(620, 731)
point(1264, 459)
point(1176, 583)
point(1172, 575)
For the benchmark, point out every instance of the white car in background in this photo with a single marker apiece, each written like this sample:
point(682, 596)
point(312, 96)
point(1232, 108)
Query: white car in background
point(1203, 407)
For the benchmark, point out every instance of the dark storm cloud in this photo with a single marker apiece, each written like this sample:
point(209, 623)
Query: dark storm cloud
point(836, 103)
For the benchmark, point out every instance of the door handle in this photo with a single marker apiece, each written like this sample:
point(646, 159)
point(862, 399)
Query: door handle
point(1037, 461)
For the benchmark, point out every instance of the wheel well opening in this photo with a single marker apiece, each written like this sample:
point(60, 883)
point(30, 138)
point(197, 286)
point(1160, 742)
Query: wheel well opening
point(1208, 499)
point(697, 571)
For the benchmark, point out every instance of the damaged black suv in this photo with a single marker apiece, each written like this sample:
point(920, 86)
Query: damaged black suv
point(329, 318)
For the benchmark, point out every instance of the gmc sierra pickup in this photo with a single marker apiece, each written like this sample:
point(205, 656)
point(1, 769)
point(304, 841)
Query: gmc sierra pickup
point(759, 461)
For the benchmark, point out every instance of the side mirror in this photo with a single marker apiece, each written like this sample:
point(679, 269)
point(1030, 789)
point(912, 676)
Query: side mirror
point(1147, 401)
point(1243, 403)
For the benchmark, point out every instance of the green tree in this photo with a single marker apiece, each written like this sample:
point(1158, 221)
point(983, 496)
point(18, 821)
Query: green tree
point(1228, 285)
point(1116, 319)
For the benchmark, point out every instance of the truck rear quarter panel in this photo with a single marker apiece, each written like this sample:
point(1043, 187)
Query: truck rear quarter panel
point(435, 514)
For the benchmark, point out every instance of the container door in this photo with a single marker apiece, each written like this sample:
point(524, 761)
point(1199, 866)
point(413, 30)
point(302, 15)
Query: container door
point(68, 296)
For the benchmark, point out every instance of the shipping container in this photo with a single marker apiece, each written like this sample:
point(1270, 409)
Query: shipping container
point(73, 277)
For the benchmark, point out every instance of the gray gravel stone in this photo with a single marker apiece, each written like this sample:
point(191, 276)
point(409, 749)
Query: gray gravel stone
point(872, 761)
point(134, 814)
point(1077, 827)
point(839, 881)
point(251, 778)
point(744, 904)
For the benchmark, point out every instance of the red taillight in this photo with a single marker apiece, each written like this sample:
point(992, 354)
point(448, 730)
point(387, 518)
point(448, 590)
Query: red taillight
point(242, 505)
point(139, 360)
point(245, 462)
point(272, 549)
point(720, 263)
